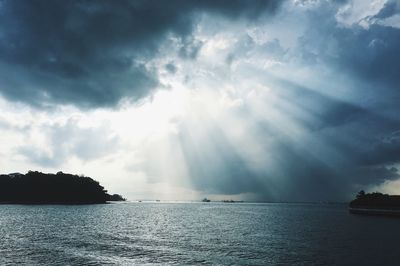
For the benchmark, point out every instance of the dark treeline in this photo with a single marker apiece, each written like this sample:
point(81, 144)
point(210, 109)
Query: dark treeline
point(375, 200)
point(60, 188)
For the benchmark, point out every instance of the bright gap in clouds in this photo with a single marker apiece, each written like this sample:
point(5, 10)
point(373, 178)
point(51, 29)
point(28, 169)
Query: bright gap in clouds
point(150, 141)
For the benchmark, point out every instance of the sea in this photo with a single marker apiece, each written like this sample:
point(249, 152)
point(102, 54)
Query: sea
point(188, 233)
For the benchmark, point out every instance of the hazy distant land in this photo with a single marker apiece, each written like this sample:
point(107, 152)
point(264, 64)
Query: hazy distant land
point(61, 188)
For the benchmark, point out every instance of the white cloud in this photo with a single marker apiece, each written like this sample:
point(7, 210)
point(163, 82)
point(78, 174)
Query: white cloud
point(393, 21)
point(359, 12)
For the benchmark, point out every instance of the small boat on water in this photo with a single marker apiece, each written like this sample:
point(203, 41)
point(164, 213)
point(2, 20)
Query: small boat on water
point(375, 204)
point(232, 201)
point(205, 200)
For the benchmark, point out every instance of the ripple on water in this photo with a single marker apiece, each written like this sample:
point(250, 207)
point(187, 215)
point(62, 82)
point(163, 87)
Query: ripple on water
point(194, 233)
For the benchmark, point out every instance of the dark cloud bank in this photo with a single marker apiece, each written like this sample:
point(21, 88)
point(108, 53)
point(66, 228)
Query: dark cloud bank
point(93, 53)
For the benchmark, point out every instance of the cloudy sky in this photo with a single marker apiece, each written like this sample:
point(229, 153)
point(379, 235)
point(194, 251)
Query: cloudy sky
point(256, 100)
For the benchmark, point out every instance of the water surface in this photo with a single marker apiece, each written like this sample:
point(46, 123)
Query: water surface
point(195, 233)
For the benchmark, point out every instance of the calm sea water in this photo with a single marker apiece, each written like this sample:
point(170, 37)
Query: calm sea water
point(195, 233)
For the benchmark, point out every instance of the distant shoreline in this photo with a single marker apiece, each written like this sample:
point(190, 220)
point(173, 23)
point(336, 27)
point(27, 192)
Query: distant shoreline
point(50, 203)
point(375, 211)
point(235, 202)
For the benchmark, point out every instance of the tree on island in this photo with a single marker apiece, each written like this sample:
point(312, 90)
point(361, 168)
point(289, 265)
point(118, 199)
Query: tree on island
point(36, 187)
point(360, 194)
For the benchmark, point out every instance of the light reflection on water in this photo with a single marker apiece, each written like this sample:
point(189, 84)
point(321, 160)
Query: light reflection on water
point(195, 233)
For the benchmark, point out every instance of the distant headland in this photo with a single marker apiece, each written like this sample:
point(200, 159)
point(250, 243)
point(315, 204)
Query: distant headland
point(61, 188)
point(375, 204)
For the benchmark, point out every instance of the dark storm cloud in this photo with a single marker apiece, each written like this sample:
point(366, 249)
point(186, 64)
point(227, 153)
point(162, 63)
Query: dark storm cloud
point(384, 150)
point(370, 54)
point(365, 133)
point(367, 144)
point(326, 111)
point(93, 53)
point(391, 8)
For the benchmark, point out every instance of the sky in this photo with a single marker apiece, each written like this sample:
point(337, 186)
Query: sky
point(294, 100)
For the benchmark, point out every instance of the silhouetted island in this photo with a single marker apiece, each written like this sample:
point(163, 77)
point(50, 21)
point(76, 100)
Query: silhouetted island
point(375, 204)
point(61, 188)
